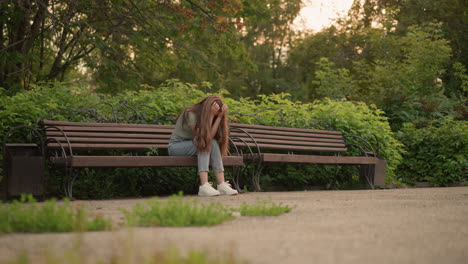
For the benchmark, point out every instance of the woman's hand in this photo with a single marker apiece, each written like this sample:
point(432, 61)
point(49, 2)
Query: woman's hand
point(214, 109)
point(223, 110)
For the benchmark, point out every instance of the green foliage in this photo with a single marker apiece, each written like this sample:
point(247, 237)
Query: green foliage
point(168, 100)
point(27, 216)
point(436, 153)
point(332, 82)
point(410, 74)
point(116, 44)
point(352, 118)
point(264, 208)
point(177, 212)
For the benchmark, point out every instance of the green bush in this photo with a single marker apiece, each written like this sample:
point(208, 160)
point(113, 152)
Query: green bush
point(437, 153)
point(352, 118)
point(27, 216)
point(54, 101)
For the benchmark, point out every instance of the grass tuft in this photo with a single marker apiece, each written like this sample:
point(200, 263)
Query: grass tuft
point(177, 212)
point(26, 215)
point(263, 208)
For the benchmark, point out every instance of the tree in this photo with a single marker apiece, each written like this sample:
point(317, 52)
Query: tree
point(267, 35)
point(117, 41)
point(400, 16)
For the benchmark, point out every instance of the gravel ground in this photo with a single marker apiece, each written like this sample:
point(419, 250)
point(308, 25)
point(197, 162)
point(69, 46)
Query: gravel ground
point(365, 226)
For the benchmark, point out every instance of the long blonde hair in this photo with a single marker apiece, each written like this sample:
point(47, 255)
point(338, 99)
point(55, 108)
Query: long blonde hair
point(203, 136)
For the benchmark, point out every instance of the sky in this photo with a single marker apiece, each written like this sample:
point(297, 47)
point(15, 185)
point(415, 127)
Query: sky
point(317, 14)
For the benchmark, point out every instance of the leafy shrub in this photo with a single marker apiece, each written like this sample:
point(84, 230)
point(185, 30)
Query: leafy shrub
point(177, 212)
point(352, 118)
point(436, 153)
point(26, 216)
point(263, 208)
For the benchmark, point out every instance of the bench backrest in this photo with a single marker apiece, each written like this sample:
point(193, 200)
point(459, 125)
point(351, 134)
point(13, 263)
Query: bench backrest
point(287, 139)
point(90, 136)
point(107, 135)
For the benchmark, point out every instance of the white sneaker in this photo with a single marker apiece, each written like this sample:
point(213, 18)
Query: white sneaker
point(207, 190)
point(226, 189)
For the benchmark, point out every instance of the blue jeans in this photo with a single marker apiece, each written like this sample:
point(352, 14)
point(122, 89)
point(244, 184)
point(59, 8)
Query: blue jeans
point(182, 147)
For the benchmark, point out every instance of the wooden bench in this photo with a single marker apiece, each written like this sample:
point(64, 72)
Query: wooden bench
point(75, 144)
point(268, 144)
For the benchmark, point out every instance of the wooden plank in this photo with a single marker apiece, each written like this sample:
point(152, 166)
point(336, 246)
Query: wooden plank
point(86, 146)
point(314, 159)
point(21, 145)
point(254, 132)
point(294, 143)
point(257, 136)
point(141, 161)
point(290, 148)
point(56, 133)
point(113, 129)
point(91, 124)
point(248, 126)
point(113, 140)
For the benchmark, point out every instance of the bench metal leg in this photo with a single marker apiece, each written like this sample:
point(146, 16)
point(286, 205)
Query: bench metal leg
point(235, 176)
point(374, 175)
point(71, 180)
point(67, 182)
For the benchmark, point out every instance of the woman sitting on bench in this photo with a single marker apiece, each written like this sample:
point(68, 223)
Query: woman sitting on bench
point(202, 129)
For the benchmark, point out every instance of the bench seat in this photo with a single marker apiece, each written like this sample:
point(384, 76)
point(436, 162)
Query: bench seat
point(76, 145)
point(138, 161)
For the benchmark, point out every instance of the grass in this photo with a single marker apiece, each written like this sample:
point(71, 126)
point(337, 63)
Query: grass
point(128, 253)
point(168, 256)
point(27, 216)
point(177, 212)
point(263, 208)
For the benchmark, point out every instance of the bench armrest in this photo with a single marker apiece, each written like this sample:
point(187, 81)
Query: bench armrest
point(253, 151)
point(63, 146)
point(364, 145)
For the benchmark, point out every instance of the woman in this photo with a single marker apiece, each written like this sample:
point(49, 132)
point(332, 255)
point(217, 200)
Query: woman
point(202, 130)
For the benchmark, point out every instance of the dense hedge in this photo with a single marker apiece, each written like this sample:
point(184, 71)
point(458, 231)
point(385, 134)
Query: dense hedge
point(436, 153)
point(352, 118)
point(54, 101)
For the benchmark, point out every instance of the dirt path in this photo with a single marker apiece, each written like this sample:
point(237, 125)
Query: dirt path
point(381, 226)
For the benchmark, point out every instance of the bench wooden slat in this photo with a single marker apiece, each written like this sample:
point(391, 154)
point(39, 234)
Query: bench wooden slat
point(113, 140)
point(314, 159)
point(114, 129)
point(255, 132)
point(259, 136)
point(140, 161)
point(295, 143)
point(91, 124)
point(262, 127)
point(290, 148)
point(107, 135)
point(82, 146)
